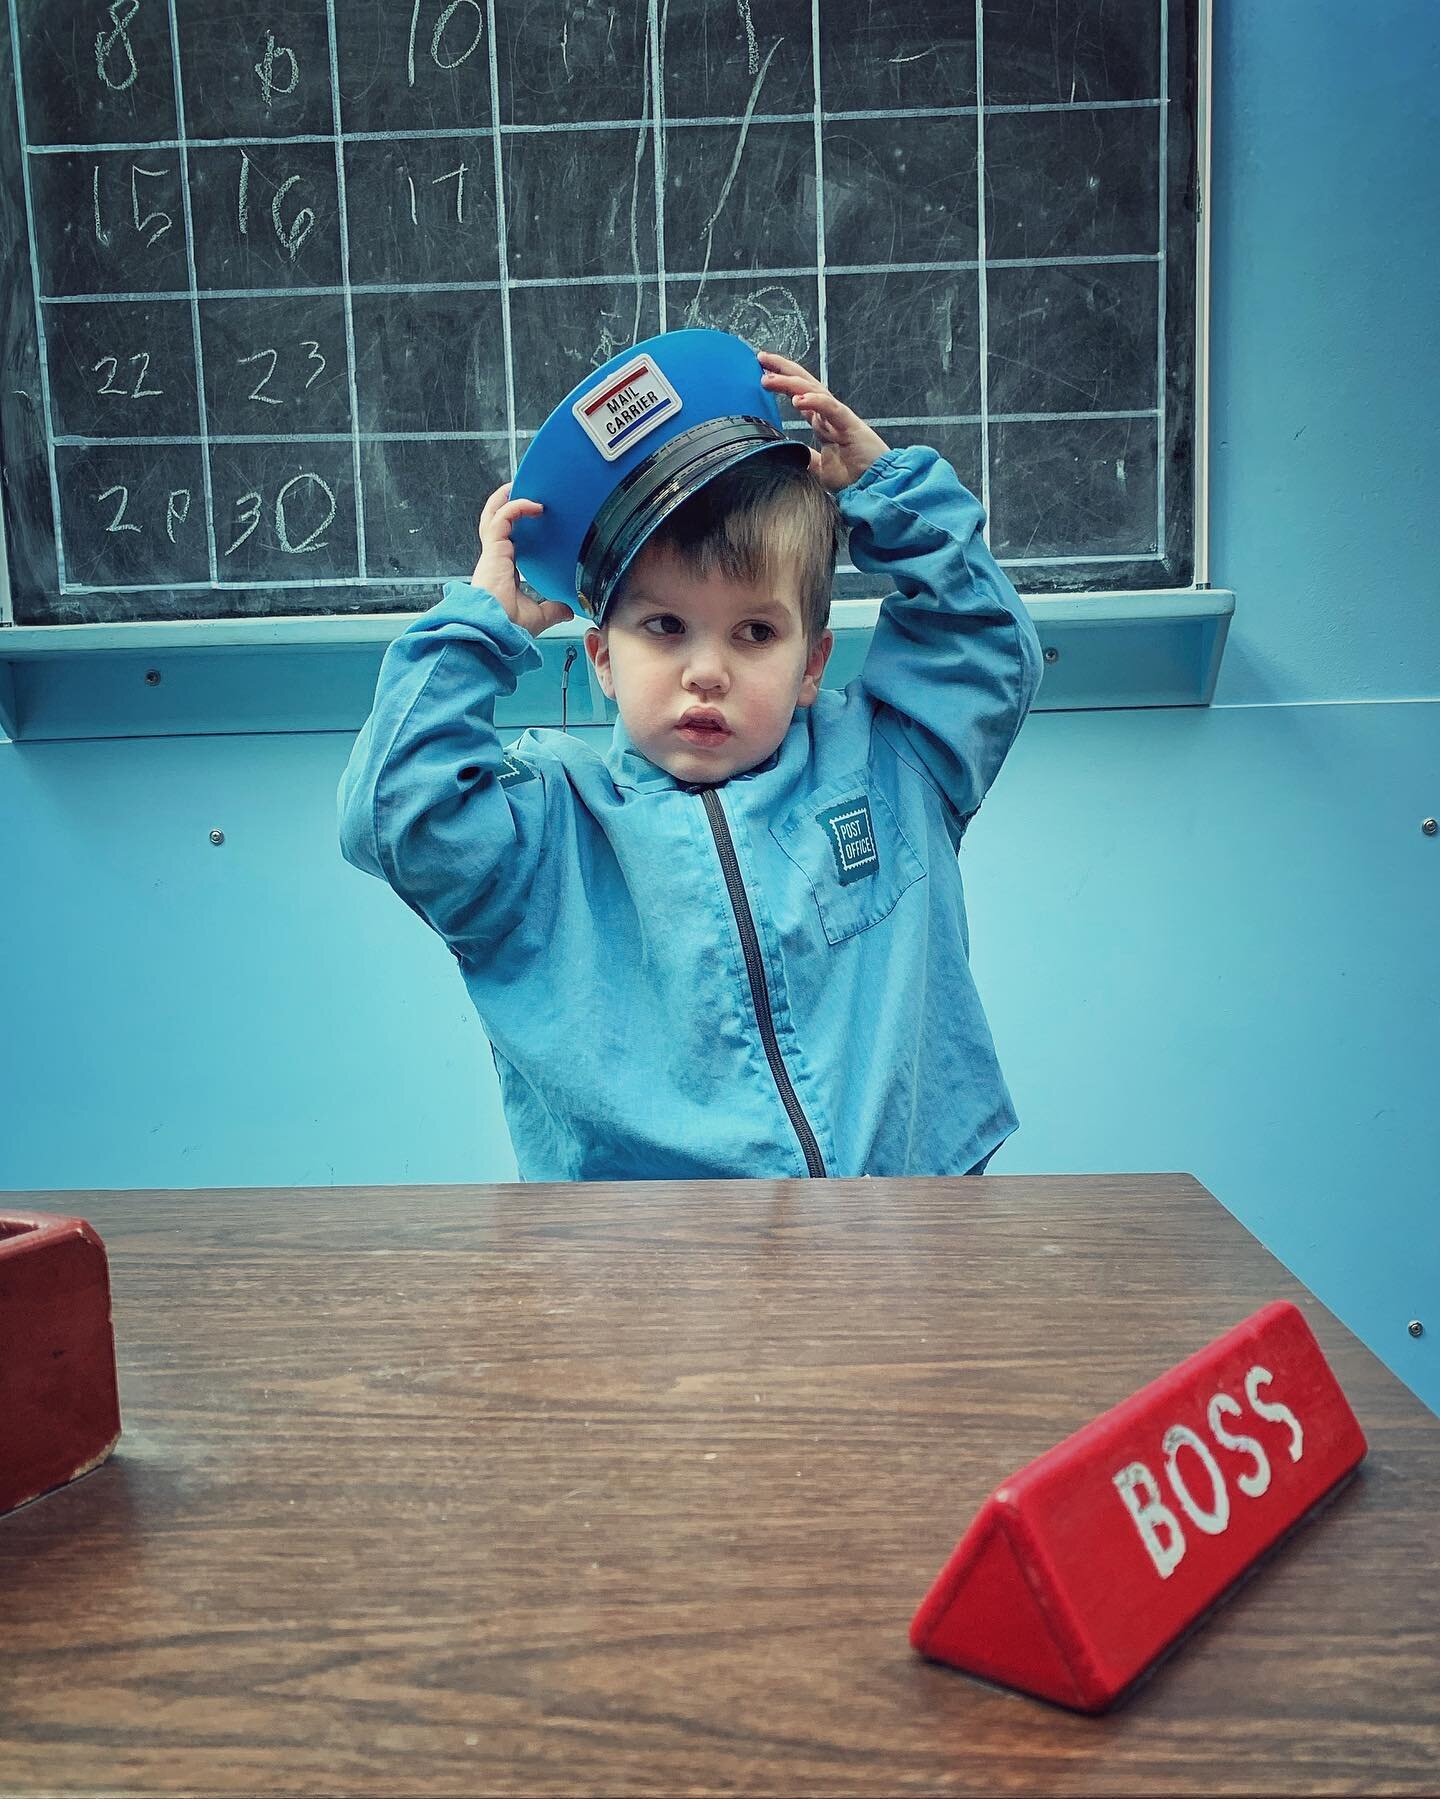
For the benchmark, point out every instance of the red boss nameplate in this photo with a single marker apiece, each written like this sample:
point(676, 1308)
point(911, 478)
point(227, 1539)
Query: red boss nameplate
point(59, 1408)
point(1080, 1570)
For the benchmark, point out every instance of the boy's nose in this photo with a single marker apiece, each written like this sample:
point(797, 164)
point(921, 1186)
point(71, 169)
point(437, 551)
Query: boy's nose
point(706, 673)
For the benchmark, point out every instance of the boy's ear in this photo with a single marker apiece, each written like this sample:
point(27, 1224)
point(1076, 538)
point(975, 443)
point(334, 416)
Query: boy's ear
point(598, 650)
point(815, 668)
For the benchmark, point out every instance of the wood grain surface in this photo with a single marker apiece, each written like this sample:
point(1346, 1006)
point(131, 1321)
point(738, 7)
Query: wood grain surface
point(634, 1489)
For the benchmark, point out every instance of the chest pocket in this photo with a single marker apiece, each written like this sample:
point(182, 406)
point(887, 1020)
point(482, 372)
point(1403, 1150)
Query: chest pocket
point(849, 845)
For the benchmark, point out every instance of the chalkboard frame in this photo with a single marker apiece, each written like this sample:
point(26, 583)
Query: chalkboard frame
point(23, 440)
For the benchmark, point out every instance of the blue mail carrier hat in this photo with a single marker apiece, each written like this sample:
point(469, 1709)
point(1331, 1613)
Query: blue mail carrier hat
point(623, 449)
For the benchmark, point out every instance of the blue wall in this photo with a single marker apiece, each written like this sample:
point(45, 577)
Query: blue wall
point(1207, 938)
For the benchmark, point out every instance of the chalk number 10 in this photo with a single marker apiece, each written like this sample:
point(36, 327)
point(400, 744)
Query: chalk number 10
point(443, 42)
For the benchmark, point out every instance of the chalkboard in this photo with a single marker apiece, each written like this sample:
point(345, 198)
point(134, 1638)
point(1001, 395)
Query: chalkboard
point(288, 284)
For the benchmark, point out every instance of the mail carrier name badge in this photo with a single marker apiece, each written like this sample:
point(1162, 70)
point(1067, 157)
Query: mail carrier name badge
point(623, 408)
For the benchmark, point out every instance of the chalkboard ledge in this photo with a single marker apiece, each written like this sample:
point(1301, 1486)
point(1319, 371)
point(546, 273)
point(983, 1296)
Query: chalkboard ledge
point(228, 676)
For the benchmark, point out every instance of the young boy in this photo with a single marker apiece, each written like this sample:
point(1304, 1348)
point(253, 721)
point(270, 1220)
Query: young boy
point(734, 943)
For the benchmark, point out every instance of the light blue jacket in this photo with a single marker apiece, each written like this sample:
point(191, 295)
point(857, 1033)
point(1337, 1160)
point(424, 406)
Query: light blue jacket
point(765, 978)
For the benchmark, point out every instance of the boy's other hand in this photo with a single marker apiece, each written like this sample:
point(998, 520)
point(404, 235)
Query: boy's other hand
point(847, 444)
point(495, 571)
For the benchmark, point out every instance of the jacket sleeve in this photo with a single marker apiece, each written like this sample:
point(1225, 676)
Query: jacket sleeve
point(429, 800)
point(954, 662)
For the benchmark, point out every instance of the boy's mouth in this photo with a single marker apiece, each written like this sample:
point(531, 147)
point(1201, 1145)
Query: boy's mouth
point(702, 725)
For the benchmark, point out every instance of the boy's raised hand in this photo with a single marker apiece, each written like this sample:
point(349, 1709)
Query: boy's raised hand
point(847, 444)
point(495, 571)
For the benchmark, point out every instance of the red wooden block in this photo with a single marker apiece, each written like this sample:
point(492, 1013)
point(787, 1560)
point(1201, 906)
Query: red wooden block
point(1077, 1573)
point(59, 1405)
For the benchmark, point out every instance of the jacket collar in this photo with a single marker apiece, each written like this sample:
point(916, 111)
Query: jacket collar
point(628, 768)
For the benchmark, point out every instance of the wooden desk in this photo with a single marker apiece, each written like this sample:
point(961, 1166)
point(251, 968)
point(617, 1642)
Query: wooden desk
point(623, 1489)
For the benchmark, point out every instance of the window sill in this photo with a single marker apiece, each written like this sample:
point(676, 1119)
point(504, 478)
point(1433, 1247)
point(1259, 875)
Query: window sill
point(228, 676)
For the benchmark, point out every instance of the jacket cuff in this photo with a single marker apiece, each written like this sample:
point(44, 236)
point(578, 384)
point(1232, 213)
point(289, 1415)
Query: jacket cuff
point(889, 474)
point(478, 607)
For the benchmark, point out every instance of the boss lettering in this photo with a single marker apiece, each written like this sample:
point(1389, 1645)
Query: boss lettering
point(1195, 1478)
point(1253, 1484)
point(1158, 1526)
point(1274, 1412)
point(1211, 1518)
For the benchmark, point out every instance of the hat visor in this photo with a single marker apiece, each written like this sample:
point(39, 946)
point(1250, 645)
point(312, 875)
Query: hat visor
point(655, 487)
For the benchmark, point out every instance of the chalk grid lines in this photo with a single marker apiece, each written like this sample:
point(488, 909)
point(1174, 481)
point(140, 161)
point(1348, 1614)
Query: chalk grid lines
point(658, 128)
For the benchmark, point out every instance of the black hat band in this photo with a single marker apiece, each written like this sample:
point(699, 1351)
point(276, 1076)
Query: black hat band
point(654, 488)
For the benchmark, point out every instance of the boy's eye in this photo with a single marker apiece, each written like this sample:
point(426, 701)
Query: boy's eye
point(765, 632)
point(664, 624)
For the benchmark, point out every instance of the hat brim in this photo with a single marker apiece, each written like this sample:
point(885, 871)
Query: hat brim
point(655, 487)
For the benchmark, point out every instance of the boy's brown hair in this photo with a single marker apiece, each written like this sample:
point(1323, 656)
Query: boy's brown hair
point(761, 519)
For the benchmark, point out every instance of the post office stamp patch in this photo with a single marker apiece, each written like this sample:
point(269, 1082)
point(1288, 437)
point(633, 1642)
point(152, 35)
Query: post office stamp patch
point(513, 771)
point(620, 410)
point(852, 839)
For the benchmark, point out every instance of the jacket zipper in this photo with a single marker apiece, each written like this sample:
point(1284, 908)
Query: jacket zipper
point(759, 992)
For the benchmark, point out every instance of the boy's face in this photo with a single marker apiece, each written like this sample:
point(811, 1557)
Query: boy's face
point(707, 673)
